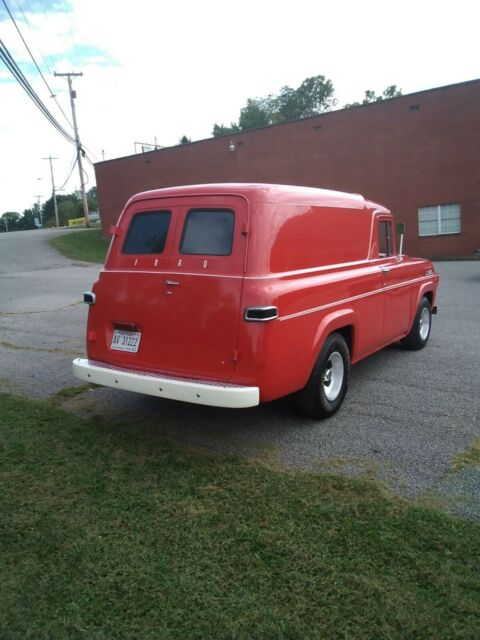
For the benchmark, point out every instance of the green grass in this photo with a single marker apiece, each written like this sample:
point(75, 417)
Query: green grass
point(89, 245)
point(112, 531)
point(466, 458)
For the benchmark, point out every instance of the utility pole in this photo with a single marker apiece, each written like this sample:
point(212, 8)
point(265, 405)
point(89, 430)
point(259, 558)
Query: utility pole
point(39, 210)
point(80, 151)
point(54, 195)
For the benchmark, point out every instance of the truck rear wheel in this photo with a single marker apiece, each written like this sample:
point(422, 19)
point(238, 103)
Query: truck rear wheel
point(325, 390)
point(420, 331)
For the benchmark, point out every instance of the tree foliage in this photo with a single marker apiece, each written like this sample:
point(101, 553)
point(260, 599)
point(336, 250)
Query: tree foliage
point(69, 206)
point(222, 130)
point(314, 95)
point(184, 140)
point(13, 221)
point(392, 91)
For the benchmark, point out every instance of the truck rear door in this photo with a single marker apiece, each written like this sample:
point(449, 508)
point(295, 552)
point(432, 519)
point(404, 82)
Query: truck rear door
point(168, 300)
point(203, 287)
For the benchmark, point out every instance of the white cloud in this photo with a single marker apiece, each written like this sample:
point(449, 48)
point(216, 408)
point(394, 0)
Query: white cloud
point(167, 69)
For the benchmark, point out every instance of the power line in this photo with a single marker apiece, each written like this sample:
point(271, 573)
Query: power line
point(27, 23)
point(92, 153)
point(30, 91)
point(69, 173)
point(52, 95)
point(21, 79)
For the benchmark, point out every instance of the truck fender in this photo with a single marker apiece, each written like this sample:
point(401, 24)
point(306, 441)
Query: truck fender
point(330, 323)
point(426, 287)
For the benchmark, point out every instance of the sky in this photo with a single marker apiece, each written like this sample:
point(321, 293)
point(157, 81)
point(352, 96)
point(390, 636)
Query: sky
point(158, 69)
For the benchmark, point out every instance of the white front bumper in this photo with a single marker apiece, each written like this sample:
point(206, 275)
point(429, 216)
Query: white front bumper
point(215, 394)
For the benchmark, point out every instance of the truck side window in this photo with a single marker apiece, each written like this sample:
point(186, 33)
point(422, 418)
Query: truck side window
point(208, 232)
point(147, 232)
point(384, 238)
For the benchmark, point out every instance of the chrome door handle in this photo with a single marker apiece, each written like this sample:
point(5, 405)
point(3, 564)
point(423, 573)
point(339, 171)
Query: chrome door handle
point(385, 269)
point(172, 283)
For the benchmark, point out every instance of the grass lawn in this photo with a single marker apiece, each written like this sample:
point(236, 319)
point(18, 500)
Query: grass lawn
point(112, 531)
point(89, 245)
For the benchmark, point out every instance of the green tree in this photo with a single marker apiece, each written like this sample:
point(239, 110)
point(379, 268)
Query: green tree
point(392, 91)
point(27, 221)
point(184, 140)
point(314, 95)
point(92, 199)
point(10, 221)
point(68, 207)
point(221, 130)
point(258, 112)
point(370, 96)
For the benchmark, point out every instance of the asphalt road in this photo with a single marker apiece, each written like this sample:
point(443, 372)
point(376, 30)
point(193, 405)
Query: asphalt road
point(406, 415)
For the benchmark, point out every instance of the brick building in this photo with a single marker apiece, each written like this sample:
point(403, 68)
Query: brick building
point(418, 155)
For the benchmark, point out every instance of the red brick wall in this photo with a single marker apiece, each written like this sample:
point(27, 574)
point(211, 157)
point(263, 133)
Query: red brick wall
point(386, 151)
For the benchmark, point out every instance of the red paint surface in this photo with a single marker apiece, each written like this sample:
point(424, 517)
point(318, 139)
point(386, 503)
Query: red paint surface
point(196, 328)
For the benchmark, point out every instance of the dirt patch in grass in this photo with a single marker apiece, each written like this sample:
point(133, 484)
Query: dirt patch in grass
point(467, 458)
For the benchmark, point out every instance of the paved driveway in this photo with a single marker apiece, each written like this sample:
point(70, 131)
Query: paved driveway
point(407, 414)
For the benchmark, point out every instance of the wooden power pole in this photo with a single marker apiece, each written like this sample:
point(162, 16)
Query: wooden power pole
point(54, 194)
point(80, 151)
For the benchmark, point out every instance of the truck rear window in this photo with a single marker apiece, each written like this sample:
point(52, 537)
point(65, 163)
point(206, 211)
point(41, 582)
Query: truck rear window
point(147, 232)
point(208, 232)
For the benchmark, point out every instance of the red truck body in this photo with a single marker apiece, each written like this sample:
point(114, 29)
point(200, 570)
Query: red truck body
point(238, 287)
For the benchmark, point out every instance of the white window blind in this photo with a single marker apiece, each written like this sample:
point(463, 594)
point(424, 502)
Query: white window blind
point(439, 219)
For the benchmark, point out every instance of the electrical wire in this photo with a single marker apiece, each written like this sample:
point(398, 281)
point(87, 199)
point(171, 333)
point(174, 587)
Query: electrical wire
point(27, 24)
point(91, 153)
point(17, 73)
point(69, 174)
point(88, 160)
point(21, 79)
point(52, 95)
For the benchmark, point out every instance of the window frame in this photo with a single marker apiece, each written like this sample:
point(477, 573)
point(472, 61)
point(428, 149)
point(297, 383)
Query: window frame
point(389, 237)
point(206, 210)
point(130, 227)
point(439, 231)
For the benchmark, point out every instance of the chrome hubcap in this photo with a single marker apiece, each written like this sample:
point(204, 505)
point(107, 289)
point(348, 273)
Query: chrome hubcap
point(424, 325)
point(333, 376)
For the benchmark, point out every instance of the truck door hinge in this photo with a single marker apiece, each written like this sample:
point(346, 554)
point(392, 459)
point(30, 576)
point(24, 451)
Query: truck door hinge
point(235, 355)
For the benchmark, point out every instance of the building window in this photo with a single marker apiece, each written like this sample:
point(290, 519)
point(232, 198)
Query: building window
point(439, 219)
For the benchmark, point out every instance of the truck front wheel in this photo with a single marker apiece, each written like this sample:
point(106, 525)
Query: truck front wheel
point(420, 331)
point(325, 390)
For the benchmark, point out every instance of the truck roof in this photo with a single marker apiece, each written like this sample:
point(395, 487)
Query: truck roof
point(272, 193)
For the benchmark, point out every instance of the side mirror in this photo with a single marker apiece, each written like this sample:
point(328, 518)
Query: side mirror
point(401, 233)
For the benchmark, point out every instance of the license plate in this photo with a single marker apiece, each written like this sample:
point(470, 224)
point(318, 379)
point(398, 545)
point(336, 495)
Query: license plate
point(126, 341)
